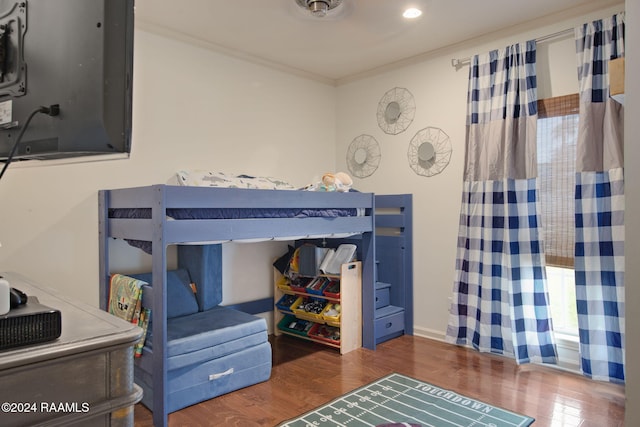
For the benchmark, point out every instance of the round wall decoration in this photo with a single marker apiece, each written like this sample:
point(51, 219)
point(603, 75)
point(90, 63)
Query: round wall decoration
point(396, 110)
point(429, 151)
point(363, 156)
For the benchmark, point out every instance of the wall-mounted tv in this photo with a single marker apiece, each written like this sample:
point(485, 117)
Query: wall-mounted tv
point(75, 54)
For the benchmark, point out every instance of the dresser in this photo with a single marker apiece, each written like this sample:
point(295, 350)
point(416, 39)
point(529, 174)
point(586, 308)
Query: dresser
point(83, 378)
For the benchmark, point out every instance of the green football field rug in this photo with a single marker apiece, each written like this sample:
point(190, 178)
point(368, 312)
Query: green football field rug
point(398, 400)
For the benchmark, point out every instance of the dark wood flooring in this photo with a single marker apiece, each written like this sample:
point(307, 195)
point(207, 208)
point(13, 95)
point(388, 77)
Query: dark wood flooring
point(306, 375)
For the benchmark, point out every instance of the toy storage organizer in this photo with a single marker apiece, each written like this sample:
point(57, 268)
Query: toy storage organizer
point(341, 330)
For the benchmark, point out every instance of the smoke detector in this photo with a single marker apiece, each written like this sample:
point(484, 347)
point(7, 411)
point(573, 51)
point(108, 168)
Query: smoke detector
point(318, 8)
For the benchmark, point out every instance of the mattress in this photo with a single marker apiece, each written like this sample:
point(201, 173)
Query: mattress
point(236, 213)
point(233, 213)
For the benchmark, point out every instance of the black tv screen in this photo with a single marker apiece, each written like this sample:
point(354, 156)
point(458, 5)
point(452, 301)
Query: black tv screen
point(77, 54)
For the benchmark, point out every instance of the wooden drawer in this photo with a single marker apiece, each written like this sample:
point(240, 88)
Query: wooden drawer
point(382, 298)
point(391, 324)
point(382, 294)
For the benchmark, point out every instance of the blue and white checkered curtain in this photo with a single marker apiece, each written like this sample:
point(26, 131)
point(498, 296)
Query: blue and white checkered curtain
point(500, 302)
point(599, 256)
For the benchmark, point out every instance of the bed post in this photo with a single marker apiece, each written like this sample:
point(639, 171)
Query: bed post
point(408, 263)
point(159, 308)
point(368, 282)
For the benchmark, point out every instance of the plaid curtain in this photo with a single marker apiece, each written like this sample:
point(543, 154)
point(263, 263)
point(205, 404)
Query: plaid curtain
point(599, 255)
point(500, 302)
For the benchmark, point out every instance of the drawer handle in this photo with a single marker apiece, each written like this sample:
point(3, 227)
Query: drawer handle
point(221, 374)
point(388, 325)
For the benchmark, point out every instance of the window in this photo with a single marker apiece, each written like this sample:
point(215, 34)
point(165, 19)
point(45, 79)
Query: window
point(562, 296)
point(557, 136)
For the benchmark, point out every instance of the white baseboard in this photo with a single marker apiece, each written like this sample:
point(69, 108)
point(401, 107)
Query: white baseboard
point(568, 349)
point(428, 333)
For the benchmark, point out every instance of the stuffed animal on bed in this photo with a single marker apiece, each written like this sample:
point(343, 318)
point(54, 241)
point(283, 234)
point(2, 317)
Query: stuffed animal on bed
point(338, 181)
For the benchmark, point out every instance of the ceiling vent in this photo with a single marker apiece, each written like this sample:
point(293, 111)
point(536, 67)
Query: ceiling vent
point(319, 8)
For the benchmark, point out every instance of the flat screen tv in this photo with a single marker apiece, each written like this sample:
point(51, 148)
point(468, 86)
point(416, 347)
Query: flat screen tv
point(75, 58)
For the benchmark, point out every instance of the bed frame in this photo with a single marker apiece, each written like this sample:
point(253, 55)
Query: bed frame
point(162, 232)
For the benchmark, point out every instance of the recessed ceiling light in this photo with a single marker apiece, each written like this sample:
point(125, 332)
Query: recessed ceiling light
point(412, 13)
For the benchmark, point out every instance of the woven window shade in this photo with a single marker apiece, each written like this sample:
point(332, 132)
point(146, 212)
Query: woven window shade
point(557, 136)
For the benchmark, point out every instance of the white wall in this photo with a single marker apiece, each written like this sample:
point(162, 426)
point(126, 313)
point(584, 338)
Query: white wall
point(192, 109)
point(440, 97)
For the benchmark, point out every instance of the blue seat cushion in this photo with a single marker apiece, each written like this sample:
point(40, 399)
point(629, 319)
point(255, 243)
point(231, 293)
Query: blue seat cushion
point(207, 335)
point(181, 301)
point(210, 378)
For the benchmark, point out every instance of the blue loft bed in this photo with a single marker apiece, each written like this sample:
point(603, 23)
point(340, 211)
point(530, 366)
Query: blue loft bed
point(200, 217)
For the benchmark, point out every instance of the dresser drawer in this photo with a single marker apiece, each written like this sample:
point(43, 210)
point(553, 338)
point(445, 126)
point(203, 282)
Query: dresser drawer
point(382, 294)
point(391, 324)
point(382, 297)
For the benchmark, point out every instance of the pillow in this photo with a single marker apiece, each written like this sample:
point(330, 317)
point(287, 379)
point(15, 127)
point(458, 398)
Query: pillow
point(181, 301)
point(202, 178)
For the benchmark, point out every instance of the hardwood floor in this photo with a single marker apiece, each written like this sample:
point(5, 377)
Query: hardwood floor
point(306, 375)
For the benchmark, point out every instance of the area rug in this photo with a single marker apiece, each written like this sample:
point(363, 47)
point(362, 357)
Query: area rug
point(397, 399)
